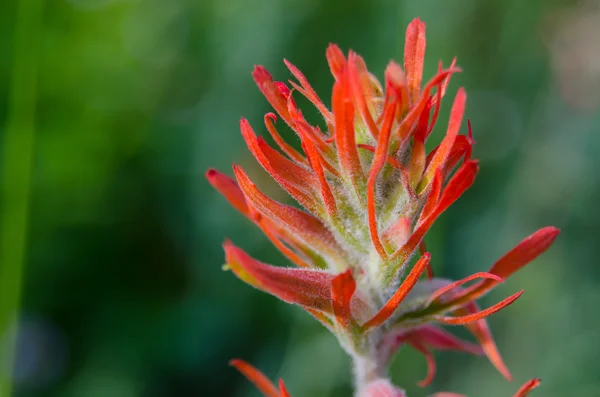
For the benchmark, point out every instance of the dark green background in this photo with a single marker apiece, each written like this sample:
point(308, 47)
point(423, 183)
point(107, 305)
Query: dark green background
point(123, 292)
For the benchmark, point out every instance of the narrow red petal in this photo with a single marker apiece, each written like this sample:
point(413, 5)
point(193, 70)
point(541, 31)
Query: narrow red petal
point(315, 162)
point(417, 345)
point(395, 81)
point(357, 72)
point(526, 251)
point(308, 288)
point(308, 91)
point(336, 60)
point(393, 303)
point(305, 130)
point(228, 188)
point(300, 224)
point(416, 163)
point(285, 250)
point(390, 160)
point(272, 92)
point(437, 102)
point(345, 140)
point(282, 390)
point(320, 317)
point(433, 197)
point(481, 314)
point(437, 294)
point(415, 112)
point(482, 333)
point(462, 149)
point(414, 56)
point(342, 290)
point(262, 383)
point(457, 185)
point(381, 154)
point(270, 119)
point(298, 182)
point(441, 155)
point(440, 339)
point(528, 387)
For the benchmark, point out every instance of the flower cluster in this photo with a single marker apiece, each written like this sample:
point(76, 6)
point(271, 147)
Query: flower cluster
point(370, 193)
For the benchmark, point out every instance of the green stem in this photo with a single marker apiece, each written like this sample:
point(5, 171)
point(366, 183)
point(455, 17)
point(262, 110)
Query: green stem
point(17, 156)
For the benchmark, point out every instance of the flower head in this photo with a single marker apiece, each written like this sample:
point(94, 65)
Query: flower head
point(370, 193)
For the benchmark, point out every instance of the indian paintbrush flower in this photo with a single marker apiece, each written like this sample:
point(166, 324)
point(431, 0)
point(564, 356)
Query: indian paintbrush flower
point(370, 193)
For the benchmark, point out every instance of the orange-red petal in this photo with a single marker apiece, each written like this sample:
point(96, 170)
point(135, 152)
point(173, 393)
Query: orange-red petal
point(342, 291)
point(262, 383)
point(528, 387)
point(301, 225)
point(482, 333)
point(441, 155)
point(469, 318)
point(310, 288)
point(414, 57)
point(457, 185)
point(345, 139)
point(282, 389)
point(229, 189)
point(392, 304)
point(337, 61)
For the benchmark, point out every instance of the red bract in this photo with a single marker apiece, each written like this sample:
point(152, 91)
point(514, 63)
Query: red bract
point(369, 192)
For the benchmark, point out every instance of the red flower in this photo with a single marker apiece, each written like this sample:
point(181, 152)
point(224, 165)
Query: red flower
point(370, 193)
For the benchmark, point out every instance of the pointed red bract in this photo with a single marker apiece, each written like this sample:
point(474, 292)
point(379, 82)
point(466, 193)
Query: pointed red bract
point(393, 303)
point(417, 345)
point(345, 139)
point(446, 289)
point(315, 161)
point(267, 86)
point(528, 387)
point(306, 89)
point(229, 189)
point(359, 78)
point(440, 157)
point(270, 119)
point(469, 318)
point(310, 288)
point(282, 389)
point(298, 182)
point(342, 290)
point(457, 185)
point(414, 56)
point(381, 154)
point(337, 61)
point(433, 197)
point(526, 251)
point(422, 339)
point(482, 333)
point(440, 339)
point(258, 379)
point(304, 226)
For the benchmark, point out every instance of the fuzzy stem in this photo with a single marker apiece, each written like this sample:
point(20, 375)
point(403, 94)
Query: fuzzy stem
point(367, 369)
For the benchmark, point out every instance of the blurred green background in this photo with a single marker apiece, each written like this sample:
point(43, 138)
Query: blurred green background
point(128, 102)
